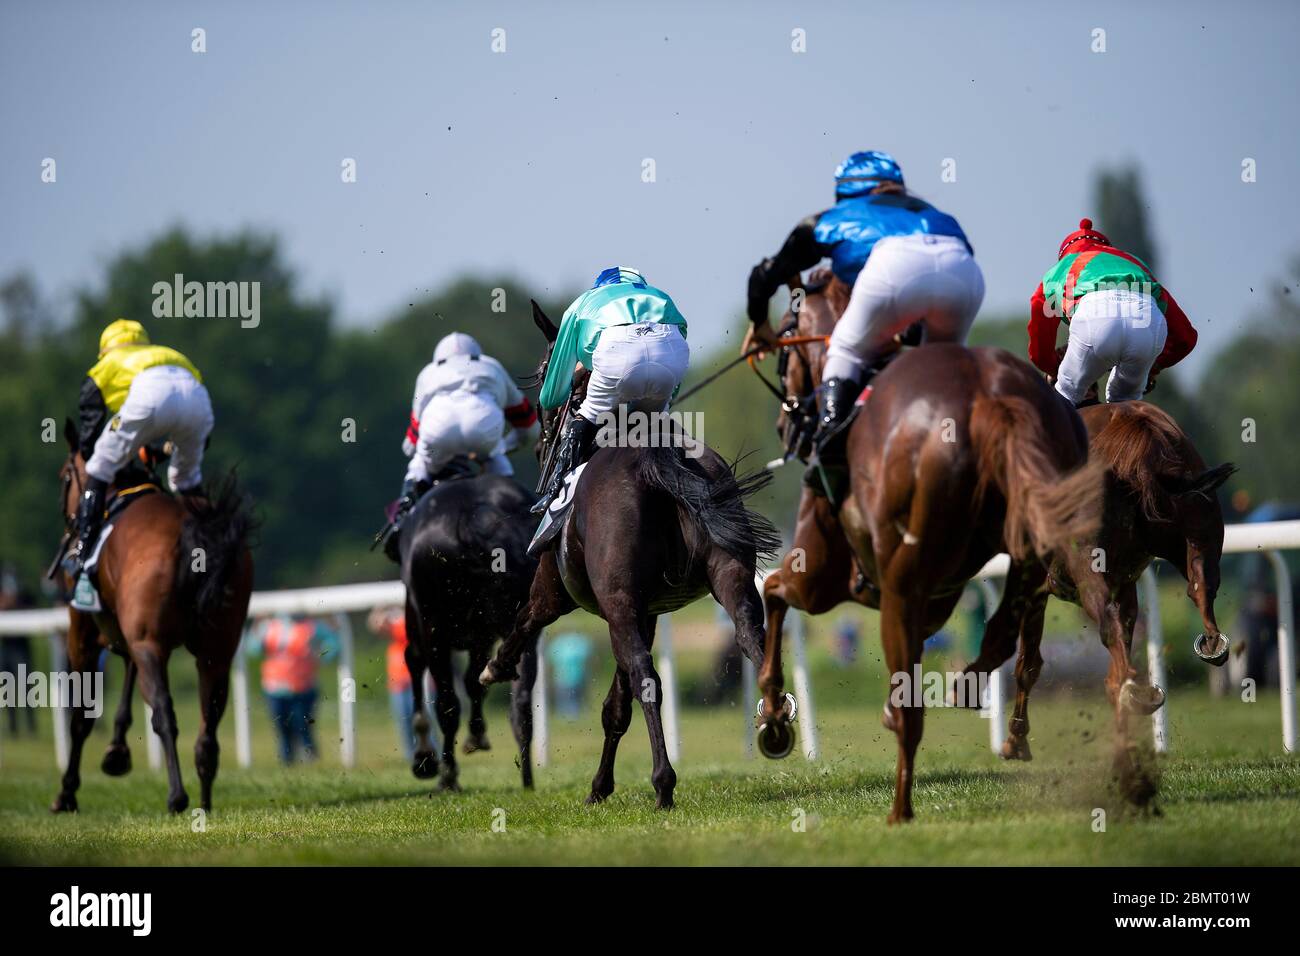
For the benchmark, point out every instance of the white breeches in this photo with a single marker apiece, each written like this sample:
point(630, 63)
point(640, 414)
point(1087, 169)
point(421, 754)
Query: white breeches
point(639, 366)
point(459, 423)
point(1116, 329)
point(906, 278)
point(165, 402)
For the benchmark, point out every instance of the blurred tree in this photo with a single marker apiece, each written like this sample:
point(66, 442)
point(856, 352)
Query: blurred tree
point(1122, 213)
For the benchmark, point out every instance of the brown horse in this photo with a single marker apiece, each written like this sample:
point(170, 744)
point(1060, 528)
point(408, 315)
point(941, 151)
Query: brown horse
point(648, 531)
point(173, 572)
point(1160, 503)
point(956, 455)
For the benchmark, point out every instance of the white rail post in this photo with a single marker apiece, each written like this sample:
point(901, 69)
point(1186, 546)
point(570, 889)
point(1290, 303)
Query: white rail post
point(748, 692)
point(152, 742)
point(58, 713)
point(347, 695)
point(541, 714)
point(803, 689)
point(994, 709)
point(243, 737)
point(1285, 649)
point(668, 681)
point(1156, 656)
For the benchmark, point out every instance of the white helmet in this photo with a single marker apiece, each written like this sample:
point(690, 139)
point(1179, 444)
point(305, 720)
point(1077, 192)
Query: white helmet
point(457, 343)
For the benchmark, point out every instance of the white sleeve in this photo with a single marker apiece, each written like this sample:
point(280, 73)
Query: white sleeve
point(512, 395)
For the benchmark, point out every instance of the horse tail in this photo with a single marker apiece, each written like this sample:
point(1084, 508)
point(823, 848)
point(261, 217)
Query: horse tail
point(1146, 450)
point(1049, 503)
point(214, 533)
point(714, 502)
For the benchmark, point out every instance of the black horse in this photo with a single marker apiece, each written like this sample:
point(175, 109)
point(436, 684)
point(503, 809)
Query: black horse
point(648, 531)
point(465, 563)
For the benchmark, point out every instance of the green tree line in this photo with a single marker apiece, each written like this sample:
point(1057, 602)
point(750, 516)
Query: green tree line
point(312, 411)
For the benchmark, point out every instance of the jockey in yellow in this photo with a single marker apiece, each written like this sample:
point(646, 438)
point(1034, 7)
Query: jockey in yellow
point(135, 395)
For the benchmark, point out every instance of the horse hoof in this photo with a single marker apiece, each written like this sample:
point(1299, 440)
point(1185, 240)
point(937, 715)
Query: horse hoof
point(178, 803)
point(64, 803)
point(497, 673)
point(775, 740)
point(887, 720)
point(424, 766)
point(664, 801)
point(1212, 650)
point(1141, 698)
point(475, 743)
point(449, 785)
point(790, 709)
point(1016, 748)
point(116, 762)
point(595, 797)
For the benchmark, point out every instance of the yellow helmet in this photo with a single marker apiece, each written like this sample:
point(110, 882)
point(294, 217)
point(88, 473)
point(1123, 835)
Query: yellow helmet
point(122, 332)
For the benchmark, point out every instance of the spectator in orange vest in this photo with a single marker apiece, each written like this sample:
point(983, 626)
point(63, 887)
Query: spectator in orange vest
point(292, 648)
point(390, 624)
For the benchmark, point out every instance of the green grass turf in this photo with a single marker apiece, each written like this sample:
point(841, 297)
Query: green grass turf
point(1228, 796)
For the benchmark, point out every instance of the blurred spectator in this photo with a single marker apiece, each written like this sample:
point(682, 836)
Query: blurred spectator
point(292, 648)
point(16, 650)
point(848, 637)
point(390, 624)
point(568, 655)
point(1257, 620)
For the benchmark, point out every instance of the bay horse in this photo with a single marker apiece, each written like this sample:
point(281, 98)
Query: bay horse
point(956, 454)
point(174, 572)
point(649, 530)
point(1160, 503)
point(465, 563)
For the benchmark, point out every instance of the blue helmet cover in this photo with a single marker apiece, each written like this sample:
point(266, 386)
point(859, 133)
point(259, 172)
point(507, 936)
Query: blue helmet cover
point(864, 171)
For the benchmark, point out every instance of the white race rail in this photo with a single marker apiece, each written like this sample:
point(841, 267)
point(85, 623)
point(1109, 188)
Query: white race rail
point(1271, 538)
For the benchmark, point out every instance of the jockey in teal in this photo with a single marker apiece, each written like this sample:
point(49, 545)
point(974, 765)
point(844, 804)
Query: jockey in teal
point(632, 339)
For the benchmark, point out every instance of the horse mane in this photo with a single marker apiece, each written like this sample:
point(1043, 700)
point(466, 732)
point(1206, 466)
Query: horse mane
point(1147, 450)
point(221, 526)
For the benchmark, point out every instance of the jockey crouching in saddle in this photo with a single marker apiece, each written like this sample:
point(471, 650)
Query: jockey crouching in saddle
point(1120, 318)
point(137, 394)
point(904, 260)
point(463, 401)
point(632, 339)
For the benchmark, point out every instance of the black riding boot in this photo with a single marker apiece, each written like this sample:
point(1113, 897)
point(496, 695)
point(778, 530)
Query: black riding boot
point(412, 491)
point(836, 398)
point(573, 450)
point(90, 518)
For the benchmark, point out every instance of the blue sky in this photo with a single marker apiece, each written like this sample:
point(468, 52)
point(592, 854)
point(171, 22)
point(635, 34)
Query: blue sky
point(530, 161)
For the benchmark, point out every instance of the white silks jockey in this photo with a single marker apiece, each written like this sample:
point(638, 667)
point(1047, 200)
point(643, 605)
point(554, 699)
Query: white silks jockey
point(464, 403)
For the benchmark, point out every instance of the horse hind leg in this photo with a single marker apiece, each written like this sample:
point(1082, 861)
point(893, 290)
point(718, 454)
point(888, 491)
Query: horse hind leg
point(151, 664)
point(448, 710)
point(902, 635)
point(632, 639)
point(615, 718)
point(477, 738)
point(83, 649)
point(1029, 665)
point(117, 756)
point(521, 712)
point(1202, 573)
point(214, 692)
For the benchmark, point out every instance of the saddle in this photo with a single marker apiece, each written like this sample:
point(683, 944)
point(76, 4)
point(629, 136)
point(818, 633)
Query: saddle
point(126, 491)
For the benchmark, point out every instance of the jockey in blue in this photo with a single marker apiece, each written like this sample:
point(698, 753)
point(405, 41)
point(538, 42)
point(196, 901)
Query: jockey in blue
point(904, 261)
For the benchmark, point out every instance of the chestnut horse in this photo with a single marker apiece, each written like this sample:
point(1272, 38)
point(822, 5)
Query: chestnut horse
point(173, 572)
point(957, 454)
point(1160, 503)
point(649, 530)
